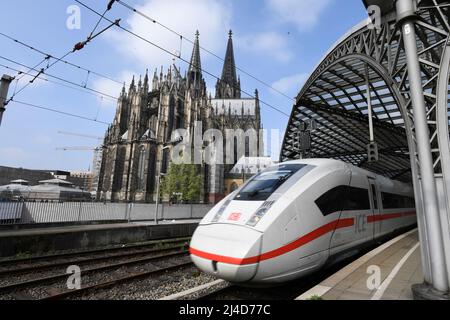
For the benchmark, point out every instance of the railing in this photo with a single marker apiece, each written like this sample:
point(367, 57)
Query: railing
point(55, 212)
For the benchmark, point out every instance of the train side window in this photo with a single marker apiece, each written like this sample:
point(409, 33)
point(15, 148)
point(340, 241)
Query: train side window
point(396, 201)
point(331, 201)
point(356, 199)
point(343, 198)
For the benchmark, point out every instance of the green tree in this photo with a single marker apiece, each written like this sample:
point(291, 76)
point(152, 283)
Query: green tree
point(183, 179)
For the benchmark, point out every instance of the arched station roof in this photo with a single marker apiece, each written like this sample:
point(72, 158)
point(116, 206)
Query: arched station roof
point(335, 96)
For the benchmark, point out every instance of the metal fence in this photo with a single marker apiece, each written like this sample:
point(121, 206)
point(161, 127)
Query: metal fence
point(54, 212)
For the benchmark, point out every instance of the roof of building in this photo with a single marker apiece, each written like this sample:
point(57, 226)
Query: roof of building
point(57, 182)
point(14, 187)
point(54, 188)
point(335, 98)
point(21, 182)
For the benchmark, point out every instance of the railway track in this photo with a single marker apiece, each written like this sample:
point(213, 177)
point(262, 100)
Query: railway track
point(105, 285)
point(112, 267)
point(5, 264)
point(87, 260)
point(59, 276)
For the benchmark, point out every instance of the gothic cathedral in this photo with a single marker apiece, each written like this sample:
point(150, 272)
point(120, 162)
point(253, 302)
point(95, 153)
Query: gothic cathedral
point(135, 152)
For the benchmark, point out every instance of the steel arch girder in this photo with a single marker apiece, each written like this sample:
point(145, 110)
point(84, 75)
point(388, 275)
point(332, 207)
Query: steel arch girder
point(442, 118)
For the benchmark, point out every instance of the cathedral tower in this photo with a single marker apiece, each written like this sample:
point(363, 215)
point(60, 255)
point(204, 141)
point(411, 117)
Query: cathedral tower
point(229, 86)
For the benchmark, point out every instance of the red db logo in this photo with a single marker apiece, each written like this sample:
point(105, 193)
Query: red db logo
point(235, 216)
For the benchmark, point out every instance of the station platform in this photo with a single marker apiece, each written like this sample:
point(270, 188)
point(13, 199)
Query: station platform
point(37, 241)
point(397, 262)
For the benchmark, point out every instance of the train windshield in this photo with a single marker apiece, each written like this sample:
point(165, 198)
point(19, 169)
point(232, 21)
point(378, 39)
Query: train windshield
point(263, 185)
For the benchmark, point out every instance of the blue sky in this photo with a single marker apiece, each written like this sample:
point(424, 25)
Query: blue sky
point(277, 41)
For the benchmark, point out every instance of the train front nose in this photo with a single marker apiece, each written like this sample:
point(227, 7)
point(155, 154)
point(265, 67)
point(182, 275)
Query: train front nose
point(228, 252)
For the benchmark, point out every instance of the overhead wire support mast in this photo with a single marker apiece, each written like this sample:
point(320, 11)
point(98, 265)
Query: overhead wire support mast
point(176, 56)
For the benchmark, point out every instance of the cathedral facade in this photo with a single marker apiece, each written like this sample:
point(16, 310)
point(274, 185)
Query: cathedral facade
point(137, 145)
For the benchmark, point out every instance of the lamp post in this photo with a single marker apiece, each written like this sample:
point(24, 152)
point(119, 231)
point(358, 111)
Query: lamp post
point(4, 87)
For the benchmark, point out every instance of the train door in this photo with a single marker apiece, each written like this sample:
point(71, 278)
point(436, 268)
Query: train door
point(375, 204)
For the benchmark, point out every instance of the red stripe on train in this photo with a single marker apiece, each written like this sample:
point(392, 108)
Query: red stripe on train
point(337, 224)
point(381, 217)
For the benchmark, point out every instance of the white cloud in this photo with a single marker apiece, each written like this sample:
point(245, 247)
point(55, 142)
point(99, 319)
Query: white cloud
point(290, 85)
point(210, 17)
point(270, 43)
point(304, 14)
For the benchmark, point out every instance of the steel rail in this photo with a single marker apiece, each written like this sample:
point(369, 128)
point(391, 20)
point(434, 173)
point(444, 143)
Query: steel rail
point(54, 278)
point(9, 272)
point(108, 284)
point(78, 253)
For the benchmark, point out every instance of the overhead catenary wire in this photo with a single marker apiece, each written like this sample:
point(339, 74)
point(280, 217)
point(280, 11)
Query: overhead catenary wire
point(29, 83)
point(46, 54)
point(77, 47)
point(80, 45)
point(145, 16)
point(22, 74)
point(174, 55)
point(83, 89)
point(40, 72)
point(59, 112)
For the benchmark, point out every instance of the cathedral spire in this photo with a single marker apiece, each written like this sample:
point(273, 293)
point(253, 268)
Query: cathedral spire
point(146, 80)
point(132, 86)
point(229, 85)
point(229, 67)
point(155, 81)
point(195, 80)
point(195, 66)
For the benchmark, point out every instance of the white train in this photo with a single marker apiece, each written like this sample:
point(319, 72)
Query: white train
point(291, 219)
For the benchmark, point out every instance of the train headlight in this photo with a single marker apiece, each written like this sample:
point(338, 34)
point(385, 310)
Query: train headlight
point(260, 213)
point(220, 212)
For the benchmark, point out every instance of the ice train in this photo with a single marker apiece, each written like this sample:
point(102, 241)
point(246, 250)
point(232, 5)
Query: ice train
point(293, 218)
